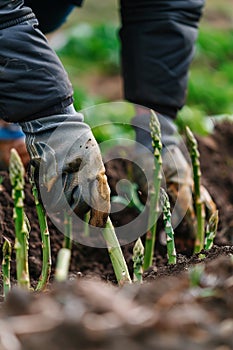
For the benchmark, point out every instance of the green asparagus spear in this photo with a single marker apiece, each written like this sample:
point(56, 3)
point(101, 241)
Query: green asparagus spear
point(116, 256)
point(199, 205)
point(6, 267)
point(211, 230)
point(62, 266)
point(138, 259)
point(68, 231)
point(45, 237)
point(16, 170)
point(171, 249)
point(64, 254)
point(155, 191)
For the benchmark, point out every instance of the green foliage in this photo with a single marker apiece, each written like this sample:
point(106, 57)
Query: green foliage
point(214, 46)
point(83, 100)
point(195, 118)
point(93, 45)
point(210, 89)
point(111, 121)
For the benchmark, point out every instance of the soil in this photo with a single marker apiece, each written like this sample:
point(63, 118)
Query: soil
point(184, 306)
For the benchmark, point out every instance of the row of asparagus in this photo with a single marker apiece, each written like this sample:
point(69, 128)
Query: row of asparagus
point(142, 255)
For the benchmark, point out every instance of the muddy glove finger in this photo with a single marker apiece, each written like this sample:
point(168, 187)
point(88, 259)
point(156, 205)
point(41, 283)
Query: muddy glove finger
point(100, 199)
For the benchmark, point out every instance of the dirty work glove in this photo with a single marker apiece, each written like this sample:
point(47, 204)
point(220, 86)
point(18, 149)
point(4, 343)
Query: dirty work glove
point(179, 182)
point(67, 165)
point(177, 174)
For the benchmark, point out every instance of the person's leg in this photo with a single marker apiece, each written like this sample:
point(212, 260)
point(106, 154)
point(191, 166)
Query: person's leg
point(158, 38)
point(51, 14)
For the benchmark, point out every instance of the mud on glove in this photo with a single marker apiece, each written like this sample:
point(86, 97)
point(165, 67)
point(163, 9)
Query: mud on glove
point(67, 165)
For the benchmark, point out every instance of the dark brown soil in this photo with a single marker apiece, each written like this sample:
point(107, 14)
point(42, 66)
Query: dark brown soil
point(171, 310)
point(217, 167)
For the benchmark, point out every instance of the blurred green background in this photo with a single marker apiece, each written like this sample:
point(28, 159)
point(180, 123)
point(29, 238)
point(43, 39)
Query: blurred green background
point(88, 46)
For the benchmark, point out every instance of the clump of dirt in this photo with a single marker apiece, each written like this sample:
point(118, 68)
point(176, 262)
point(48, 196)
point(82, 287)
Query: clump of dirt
point(173, 311)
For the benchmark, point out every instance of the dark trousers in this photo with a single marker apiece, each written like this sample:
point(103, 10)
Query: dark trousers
point(158, 38)
point(157, 46)
point(51, 14)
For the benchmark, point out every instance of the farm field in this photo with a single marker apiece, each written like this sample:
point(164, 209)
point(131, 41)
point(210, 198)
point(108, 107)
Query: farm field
point(187, 305)
point(90, 311)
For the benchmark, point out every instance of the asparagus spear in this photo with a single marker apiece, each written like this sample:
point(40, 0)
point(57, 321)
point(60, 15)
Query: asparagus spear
point(16, 171)
point(116, 256)
point(86, 232)
point(138, 259)
point(171, 249)
point(211, 230)
point(68, 231)
point(64, 254)
point(199, 205)
point(6, 267)
point(155, 190)
point(62, 266)
point(45, 237)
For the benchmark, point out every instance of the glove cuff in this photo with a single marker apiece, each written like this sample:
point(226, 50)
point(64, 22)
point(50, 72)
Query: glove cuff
point(51, 122)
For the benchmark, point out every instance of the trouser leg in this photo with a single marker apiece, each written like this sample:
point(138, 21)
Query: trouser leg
point(157, 47)
point(157, 38)
point(33, 82)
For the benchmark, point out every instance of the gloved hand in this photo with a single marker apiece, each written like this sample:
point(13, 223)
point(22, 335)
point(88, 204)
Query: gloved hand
point(177, 175)
point(67, 165)
point(177, 180)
